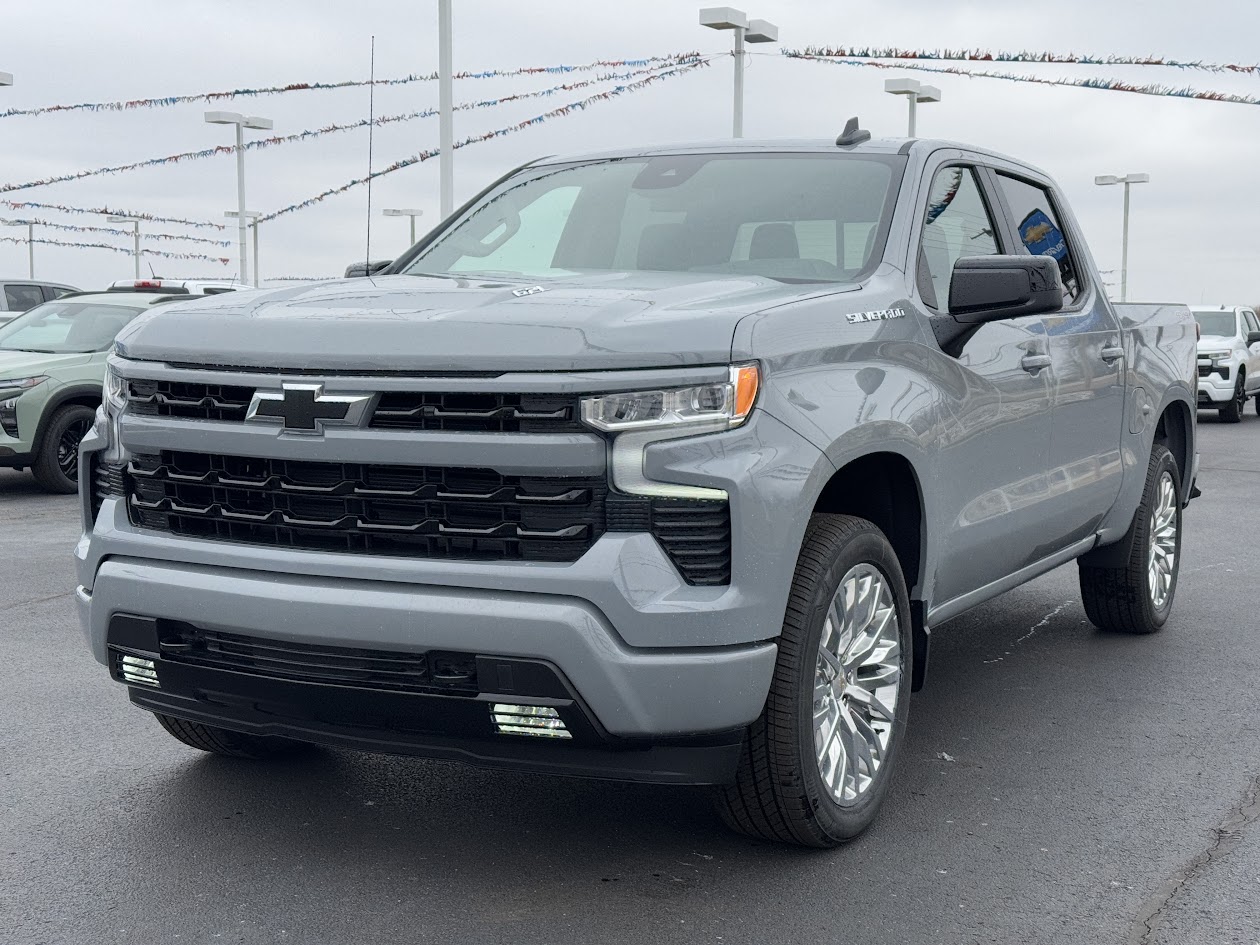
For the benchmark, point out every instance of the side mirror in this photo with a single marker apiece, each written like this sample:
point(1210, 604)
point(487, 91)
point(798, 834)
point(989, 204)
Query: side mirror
point(1252, 338)
point(369, 268)
point(992, 288)
point(987, 289)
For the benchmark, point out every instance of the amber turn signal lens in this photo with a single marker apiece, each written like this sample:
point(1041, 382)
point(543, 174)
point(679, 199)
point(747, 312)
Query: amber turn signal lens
point(746, 379)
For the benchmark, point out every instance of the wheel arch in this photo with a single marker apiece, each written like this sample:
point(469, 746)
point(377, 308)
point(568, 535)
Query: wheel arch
point(885, 488)
point(1175, 431)
point(86, 395)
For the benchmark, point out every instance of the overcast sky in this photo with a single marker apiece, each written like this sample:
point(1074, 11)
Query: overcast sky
point(1193, 227)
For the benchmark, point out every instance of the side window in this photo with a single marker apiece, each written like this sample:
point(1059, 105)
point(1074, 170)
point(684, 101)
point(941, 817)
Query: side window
point(1250, 322)
point(21, 297)
point(956, 224)
point(1039, 229)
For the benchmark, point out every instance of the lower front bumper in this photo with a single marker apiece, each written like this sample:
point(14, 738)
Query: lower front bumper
point(11, 457)
point(629, 693)
point(1210, 395)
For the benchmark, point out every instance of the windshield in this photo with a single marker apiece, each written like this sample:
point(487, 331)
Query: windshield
point(1217, 323)
point(792, 217)
point(67, 327)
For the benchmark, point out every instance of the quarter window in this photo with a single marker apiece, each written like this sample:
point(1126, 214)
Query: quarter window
point(956, 224)
point(1040, 233)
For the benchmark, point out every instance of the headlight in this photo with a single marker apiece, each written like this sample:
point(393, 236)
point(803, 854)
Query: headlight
point(712, 406)
point(22, 383)
point(113, 403)
point(641, 418)
point(1219, 357)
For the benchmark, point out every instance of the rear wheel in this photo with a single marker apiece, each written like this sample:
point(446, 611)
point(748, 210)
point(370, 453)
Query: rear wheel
point(1258, 405)
point(56, 466)
point(221, 741)
point(818, 762)
point(1232, 412)
point(1137, 597)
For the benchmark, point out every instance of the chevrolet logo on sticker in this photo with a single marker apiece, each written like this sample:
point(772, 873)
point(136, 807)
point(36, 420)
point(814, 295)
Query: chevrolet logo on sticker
point(856, 318)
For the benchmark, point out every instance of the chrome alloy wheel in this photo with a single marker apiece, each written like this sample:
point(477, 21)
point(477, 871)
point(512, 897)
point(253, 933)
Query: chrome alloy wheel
point(1162, 560)
point(856, 683)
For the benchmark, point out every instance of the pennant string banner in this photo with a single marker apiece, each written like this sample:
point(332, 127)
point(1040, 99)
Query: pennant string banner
point(107, 212)
point(431, 153)
point(985, 55)
point(169, 100)
point(112, 231)
point(1111, 85)
point(261, 143)
point(118, 249)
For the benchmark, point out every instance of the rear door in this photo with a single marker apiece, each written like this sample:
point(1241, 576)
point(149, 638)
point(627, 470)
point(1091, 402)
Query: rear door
point(1088, 354)
point(991, 461)
point(1251, 323)
point(19, 297)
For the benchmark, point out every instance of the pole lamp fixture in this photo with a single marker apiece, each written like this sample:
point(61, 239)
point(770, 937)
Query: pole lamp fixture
point(916, 93)
point(252, 216)
point(6, 78)
point(241, 122)
point(746, 31)
point(406, 213)
point(1110, 180)
point(135, 221)
point(30, 242)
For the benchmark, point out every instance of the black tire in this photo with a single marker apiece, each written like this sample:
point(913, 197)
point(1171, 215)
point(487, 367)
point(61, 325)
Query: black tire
point(221, 741)
point(1258, 405)
point(779, 793)
point(1232, 412)
point(1120, 598)
point(56, 466)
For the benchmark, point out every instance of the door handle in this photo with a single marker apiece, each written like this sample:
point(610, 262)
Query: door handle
point(1032, 363)
point(1112, 353)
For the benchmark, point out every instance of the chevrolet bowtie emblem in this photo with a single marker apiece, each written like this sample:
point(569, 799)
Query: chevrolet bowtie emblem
point(305, 408)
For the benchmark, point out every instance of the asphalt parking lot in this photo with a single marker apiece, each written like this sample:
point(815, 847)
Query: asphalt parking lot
point(1059, 785)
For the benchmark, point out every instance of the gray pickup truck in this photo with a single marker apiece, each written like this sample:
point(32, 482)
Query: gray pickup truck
point(653, 465)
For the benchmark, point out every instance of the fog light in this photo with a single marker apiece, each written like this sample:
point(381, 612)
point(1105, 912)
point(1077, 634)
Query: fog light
point(137, 671)
point(538, 720)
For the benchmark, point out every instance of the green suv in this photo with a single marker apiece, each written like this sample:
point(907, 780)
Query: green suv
point(52, 364)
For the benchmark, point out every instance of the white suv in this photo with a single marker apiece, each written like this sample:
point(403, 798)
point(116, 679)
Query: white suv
point(1229, 359)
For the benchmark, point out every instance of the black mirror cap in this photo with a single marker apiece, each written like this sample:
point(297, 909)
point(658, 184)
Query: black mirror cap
point(369, 268)
point(992, 288)
point(1252, 338)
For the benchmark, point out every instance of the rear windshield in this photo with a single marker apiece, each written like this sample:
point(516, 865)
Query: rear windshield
point(791, 217)
point(67, 327)
point(1217, 323)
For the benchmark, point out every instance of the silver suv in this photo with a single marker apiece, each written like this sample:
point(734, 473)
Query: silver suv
point(18, 295)
point(1229, 360)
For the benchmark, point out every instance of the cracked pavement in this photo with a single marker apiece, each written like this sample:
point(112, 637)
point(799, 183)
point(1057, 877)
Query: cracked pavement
point(1058, 785)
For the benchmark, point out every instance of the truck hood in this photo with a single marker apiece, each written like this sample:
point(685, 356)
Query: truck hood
point(16, 364)
point(423, 324)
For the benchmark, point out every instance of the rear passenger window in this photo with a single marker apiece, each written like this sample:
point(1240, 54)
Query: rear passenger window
point(19, 298)
point(1250, 320)
point(955, 224)
point(1039, 229)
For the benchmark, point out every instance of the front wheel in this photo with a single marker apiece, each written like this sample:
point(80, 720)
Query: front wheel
point(1137, 597)
point(818, 762)
point(1258, 405)
point(1232, 412)
point(56, 466)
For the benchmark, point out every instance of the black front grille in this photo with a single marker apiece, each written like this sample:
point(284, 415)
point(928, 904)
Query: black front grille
point(696, 534)
point(188, 401)
point(432, 672)
point(1206, 370)
point(484, 413)
point(463, 412)
point(420, 511)
point(105, 479)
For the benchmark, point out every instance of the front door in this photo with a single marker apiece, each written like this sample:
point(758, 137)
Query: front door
point(990, 473)
point(1088, 354)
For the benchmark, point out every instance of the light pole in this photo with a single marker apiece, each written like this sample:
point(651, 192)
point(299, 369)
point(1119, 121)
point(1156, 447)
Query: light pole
point(1106, 180)
point(446, 115)
point(406, 213)
point(916, 93)
point(746, 31)
point(136, 251)
point(30, 237)
point(253, 216)
point(241, 122)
